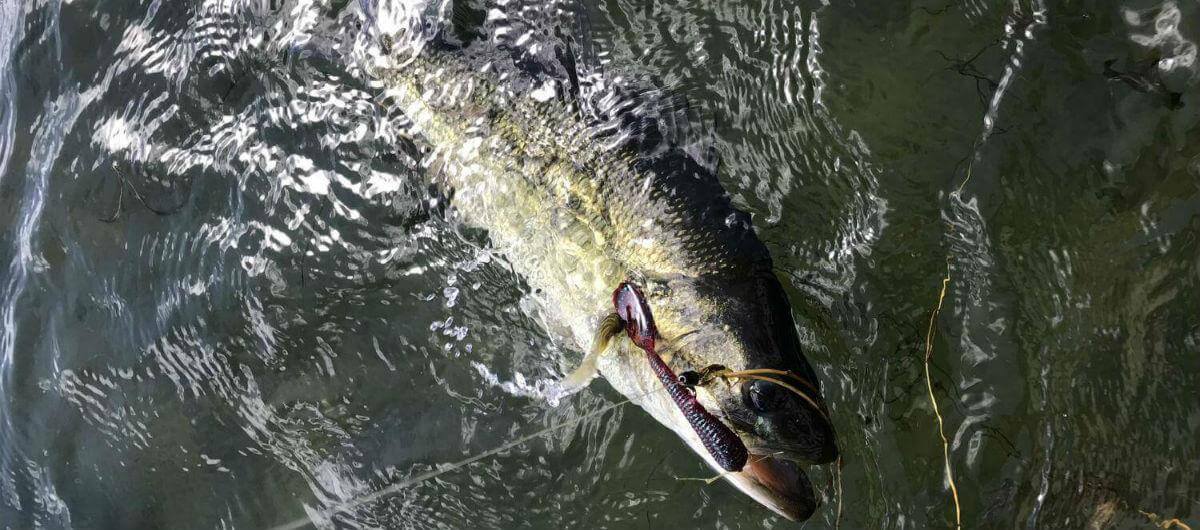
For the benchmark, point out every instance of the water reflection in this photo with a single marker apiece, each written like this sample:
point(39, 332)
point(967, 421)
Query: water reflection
point(228, 299)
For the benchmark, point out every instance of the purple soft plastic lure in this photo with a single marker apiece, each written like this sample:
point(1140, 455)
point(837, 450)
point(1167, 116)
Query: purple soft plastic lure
point(725, 446)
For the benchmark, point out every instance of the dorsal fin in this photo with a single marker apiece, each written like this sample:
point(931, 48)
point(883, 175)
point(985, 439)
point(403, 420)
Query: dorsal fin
point(548, 50)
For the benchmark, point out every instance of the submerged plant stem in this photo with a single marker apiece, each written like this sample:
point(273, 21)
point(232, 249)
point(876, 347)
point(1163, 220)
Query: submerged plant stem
point(837, 477)
point(933, 401)
point(1166, 524)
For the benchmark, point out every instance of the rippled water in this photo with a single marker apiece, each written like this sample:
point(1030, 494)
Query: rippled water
point(227, 300)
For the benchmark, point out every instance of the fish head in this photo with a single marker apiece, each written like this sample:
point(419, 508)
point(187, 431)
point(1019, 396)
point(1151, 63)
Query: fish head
point(711, 328)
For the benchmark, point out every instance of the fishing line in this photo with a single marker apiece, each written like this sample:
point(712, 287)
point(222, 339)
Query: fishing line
point(754, 459)
point(414, 480)
point(759, 375)
point(764, 374)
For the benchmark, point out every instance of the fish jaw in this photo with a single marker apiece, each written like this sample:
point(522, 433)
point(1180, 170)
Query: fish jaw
point(770, 478)
point(778, 484)
point(773, 481)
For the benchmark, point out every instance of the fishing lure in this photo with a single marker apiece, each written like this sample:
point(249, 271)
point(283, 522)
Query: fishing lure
point(724, 446)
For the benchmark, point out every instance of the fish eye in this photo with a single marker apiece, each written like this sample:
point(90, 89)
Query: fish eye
point(764, 396)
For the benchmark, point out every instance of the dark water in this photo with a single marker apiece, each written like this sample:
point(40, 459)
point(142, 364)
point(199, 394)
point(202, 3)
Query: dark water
point(224, 302)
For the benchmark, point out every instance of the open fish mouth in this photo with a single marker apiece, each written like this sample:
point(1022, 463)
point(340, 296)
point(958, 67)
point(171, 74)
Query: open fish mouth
point(778, 484)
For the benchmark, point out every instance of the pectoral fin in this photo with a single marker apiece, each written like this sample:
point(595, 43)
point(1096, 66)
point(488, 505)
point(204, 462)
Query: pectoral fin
point(579, 378)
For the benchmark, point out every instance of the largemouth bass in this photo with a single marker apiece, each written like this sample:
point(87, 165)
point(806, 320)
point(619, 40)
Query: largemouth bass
point(577, 217)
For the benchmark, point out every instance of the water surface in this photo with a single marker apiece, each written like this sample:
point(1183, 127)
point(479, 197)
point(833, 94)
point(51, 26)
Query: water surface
point(227, 301)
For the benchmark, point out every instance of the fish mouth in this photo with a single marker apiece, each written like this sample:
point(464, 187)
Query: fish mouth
point(777, 483)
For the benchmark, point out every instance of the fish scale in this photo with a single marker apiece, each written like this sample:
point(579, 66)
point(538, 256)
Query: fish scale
point(551, 153)
point(577, 209)
point(574, 218)
point(523, 169)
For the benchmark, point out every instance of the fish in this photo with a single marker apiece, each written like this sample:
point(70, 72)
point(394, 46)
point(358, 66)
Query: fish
point(576, 217)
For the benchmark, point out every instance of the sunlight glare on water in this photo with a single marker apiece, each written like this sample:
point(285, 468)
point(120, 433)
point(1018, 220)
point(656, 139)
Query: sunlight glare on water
point(230, 297)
